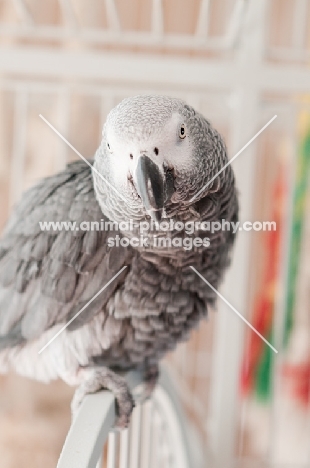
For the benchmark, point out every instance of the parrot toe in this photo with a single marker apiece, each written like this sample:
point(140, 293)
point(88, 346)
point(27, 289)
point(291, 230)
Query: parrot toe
point(95, 380)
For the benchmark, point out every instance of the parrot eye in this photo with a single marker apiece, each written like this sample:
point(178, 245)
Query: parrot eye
point(109, 147)
point(182, 133)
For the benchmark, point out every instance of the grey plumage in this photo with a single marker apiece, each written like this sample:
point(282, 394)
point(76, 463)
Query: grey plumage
point(46, 277)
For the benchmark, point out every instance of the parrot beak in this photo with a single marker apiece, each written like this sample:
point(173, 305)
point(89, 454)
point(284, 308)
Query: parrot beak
point(150, 185)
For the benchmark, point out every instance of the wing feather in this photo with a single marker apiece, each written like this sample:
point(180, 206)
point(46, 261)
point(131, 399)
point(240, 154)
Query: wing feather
point(47, 276)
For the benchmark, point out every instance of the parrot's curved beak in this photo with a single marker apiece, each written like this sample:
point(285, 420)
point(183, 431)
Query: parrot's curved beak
point(151, 186)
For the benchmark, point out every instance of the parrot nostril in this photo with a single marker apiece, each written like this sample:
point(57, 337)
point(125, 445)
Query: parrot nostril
point(131, 156)
point(156, 151)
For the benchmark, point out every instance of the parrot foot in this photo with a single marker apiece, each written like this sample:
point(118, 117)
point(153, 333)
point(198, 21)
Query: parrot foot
point(150, 379)
point(95, 380)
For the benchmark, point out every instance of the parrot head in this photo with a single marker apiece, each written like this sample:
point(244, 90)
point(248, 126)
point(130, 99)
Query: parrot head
point(157, 153)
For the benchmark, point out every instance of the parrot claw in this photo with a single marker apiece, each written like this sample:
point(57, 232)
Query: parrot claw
point(103, 378)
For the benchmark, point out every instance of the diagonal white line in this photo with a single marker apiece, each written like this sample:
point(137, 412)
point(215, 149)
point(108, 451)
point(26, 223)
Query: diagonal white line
point(82, 157)
point(233, 158)
point(238, 313)
point(80, 311)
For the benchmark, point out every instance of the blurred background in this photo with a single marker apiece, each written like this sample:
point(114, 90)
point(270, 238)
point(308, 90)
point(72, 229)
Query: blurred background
point(239, 63)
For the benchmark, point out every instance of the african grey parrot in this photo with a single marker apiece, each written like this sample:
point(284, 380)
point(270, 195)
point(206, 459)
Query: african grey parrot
point(156, 154)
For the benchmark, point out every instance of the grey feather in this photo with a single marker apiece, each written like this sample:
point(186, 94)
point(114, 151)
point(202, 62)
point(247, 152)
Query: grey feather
point(47, 277)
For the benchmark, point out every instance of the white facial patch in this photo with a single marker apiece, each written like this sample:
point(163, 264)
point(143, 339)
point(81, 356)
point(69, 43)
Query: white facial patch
point(167, 145)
